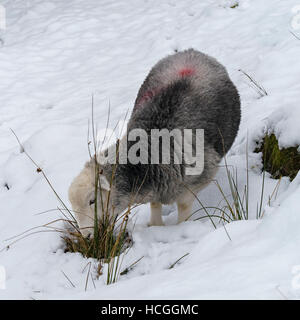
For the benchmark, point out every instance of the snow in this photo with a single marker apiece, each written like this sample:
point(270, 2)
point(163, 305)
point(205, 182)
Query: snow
point(57, 54)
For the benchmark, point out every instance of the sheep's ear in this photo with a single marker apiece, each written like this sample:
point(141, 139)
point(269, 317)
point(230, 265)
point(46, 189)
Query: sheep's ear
point(104, 183)
point(89, 164)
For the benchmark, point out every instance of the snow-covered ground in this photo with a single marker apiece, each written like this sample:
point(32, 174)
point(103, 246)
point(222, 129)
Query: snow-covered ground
point(54, 55)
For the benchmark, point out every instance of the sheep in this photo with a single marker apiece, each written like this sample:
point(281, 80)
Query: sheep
point(186, 90)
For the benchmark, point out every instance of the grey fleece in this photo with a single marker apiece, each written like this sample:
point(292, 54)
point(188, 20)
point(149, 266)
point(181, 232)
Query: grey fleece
point(186, 90)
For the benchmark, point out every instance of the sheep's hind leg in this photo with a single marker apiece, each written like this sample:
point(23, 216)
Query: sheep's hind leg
point(156, 219)
point(184, 206)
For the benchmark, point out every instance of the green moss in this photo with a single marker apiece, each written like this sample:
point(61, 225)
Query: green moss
point(279, 162)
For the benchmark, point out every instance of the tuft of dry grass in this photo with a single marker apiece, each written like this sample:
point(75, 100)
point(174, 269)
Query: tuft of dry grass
point(235, 205)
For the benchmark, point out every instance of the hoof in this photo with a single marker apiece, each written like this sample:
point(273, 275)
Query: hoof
point(150, 224)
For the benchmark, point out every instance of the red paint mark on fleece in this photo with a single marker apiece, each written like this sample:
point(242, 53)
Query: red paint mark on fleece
point(186, 72)
point(148, 95)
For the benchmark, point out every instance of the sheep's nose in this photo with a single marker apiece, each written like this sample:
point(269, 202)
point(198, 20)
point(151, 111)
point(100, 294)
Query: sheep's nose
point(87, 233)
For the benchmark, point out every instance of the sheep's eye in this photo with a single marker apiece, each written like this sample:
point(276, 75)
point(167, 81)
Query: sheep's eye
point(92, 201)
